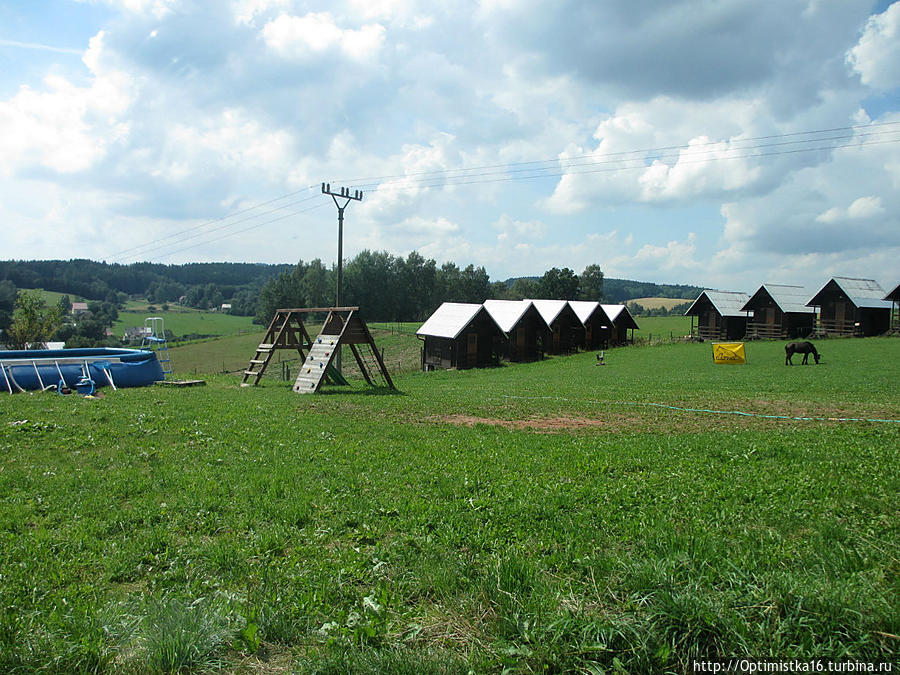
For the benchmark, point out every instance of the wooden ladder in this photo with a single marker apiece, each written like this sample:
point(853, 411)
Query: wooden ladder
point(286, 331)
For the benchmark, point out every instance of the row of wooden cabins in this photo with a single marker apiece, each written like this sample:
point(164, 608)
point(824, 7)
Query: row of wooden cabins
point(469, 335)
point(842, 307)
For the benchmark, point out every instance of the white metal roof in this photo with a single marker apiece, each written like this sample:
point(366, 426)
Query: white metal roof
point(507, 313)
point(584, 308)
point(619, 314)
point(612, 311)
point(862, 292)
point(790, 299)
point(726, 303)
point(549, 309)
point(449, 320)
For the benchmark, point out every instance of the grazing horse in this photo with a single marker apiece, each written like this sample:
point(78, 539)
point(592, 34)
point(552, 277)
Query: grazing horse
point(805, 348)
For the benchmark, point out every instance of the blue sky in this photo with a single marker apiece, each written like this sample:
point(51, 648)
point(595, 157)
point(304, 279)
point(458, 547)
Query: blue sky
point(725, 144)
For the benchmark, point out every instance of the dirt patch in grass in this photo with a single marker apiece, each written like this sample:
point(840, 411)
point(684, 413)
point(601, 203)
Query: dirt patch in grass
point(545, 424)
point(652, 419)
point(548, 424)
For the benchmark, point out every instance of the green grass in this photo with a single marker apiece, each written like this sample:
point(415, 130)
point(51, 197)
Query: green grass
point(401, 349)
point(534, 518)
point(656, 328)
point(184, 320)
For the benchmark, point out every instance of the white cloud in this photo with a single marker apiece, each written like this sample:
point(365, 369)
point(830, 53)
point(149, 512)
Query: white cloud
point(877, 55)
point(512, 231)
point(64, 127)
point(301, 36)
point(860, 209)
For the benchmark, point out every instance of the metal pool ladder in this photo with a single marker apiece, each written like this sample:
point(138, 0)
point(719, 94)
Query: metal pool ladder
point(155, 340)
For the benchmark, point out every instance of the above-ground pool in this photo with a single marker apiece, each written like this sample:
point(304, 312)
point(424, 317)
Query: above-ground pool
point(41, 369)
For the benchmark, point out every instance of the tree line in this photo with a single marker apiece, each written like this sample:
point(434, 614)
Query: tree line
point(199, 285)
point(393, 288)
point(386, 287)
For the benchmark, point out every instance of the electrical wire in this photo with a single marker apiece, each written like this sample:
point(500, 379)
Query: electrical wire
point(119, 254)
point(589, 163)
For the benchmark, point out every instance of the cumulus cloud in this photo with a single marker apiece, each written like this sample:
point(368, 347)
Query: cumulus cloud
point(316, 33)
point(877, 55)
point(860, 209)
point(66, 128)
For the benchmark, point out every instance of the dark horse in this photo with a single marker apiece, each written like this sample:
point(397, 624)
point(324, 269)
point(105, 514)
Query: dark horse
point(805, 348)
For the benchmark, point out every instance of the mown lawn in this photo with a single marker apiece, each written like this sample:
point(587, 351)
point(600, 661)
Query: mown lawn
point(548, 517)
point(185, 321)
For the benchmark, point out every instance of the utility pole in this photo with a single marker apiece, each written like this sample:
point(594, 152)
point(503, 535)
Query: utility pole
point(344, 194)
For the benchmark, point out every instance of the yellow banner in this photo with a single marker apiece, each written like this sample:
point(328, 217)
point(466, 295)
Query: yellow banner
point(729, 352)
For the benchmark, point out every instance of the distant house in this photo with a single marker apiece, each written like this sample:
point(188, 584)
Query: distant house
point(719, 315)
point(136, 333)
point(598, 327)
point(780, 312)
point(565, 332)
point(849, 306)
point(523, 327)
point(622, 322)
point(79, 308)
point(460, 335)
point(226, 307)
point(894, 297)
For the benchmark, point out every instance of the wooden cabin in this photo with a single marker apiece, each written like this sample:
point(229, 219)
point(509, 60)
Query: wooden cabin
point(780, 313)
point(597, 325)
point(622, 322)
point(718, 315)
point(564, 332)
point(894, 297)
point(850, 306)
point(460, 335)
point(523, 327)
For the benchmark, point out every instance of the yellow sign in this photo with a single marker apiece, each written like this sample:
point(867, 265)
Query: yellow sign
point(729, 352)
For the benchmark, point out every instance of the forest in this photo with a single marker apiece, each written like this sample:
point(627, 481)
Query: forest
point(385, 286)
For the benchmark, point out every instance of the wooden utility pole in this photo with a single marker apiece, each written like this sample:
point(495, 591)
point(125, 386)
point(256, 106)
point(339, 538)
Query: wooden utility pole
point(344, 194)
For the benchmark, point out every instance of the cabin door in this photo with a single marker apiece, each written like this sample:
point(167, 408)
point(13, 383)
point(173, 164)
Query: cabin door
point(840, 312)
point(472, 352)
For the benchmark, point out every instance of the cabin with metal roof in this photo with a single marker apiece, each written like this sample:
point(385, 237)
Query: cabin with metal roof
point(780, 313)
point(523, 327)
point(460, 335)
point(565, 332)
point(597, 325)
point(621, 322)
point(894, 297)
point(718, 315)
point(849, 306)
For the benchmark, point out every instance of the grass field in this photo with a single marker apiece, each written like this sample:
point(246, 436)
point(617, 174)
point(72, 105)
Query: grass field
point(184, 320)
point(662, 328)
point(538, 518)
point(399, 345)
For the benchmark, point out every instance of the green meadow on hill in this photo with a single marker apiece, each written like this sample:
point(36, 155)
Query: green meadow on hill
point(551, 517)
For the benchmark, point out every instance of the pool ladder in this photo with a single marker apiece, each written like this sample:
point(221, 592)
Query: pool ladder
point(155, 341)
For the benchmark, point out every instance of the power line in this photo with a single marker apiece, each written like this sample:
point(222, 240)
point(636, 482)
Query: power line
point(628, 160)
point(149, 248)
point(374, 180)
point(119, 254)
point(549, 172)
point(246, 229)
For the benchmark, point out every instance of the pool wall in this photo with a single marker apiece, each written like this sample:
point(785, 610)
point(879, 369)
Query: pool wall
point(39, 369)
